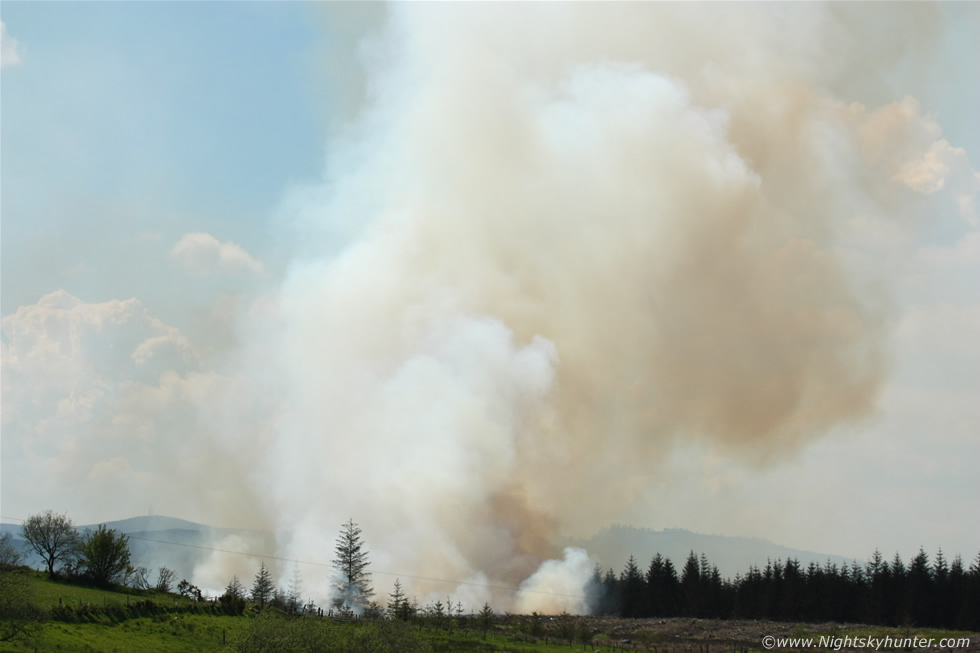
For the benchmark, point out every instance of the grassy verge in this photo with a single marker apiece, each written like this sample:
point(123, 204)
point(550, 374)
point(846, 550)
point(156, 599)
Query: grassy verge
point(49, 593)
point(181, 633)
point(91, 620)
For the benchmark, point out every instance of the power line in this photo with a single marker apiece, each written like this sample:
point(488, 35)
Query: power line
point(506, 588)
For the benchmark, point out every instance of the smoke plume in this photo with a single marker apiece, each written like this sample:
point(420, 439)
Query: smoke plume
point(552, 242)
point(559, 239)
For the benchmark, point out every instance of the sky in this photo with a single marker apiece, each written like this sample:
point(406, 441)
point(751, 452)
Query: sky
point(478, 276)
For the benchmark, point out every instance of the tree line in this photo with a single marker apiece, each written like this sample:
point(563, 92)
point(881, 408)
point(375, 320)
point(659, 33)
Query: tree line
point(100, 557)
point(935, 593)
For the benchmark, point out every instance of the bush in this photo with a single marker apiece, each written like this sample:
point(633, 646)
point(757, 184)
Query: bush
point(105, 556)
point(232, 605)
point(20, 618)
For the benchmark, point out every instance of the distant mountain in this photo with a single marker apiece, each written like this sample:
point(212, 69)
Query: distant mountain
point(612, 547)
point(159, 541)
point(149, 523)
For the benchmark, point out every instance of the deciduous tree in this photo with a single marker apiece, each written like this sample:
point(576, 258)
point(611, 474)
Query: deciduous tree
point(105, 556)
point(165, 579)
point(20, 618)
point(140, 578)
point(53, 537)
point(9, 555)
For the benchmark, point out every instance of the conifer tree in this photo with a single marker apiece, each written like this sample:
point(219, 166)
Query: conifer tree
point(632, 585)
point(691, 585)
point(610, 594)
point(235, 588)
point(398, 603)
point(294, 598)
point(486, 618)
point(352, 582)
point(263, 587)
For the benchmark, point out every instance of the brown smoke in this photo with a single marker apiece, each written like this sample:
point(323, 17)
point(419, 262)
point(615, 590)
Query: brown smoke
point(576, 234)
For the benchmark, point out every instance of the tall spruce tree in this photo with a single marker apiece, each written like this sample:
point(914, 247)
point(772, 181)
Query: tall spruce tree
point(235, 588)
point(631, 590)
point(262, 588)
point(486, 618)
point(398, 606)
point(352, 582)
point(294, 597)
point(691, 585)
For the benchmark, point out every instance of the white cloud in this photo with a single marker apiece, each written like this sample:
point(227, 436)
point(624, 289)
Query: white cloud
point(202, 253)
point(8, 48)
point(112, 406)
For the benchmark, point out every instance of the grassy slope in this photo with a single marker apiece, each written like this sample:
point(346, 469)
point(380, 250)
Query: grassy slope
point(189, 632)
point(48, 593)
point(206, 633)
point(160, 633)
point(184, 633)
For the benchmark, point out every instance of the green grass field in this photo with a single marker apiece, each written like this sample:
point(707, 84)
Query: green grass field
point(193, 632)
point(183, 633)
point(49, 593)
point(174, 627)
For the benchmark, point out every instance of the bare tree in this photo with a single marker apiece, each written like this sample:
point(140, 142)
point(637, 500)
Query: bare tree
point(165, 579)
point(53, 537)
point(294, 597)
point(141, 578)
point(9, 555)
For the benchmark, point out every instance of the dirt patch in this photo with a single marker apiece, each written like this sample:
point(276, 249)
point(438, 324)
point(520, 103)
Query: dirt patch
point(684, 635)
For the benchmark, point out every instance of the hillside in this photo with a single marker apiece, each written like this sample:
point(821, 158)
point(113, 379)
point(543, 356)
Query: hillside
point(181, 545)
point(85, 619)
point(160, 541)
point(612, 547)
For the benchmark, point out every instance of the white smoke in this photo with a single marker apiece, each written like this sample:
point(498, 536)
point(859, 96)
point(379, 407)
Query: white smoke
point(557, 240)
point(558, 585)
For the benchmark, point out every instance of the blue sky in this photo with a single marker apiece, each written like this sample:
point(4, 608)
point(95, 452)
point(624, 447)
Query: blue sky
point(243, 243)
point(145, 120)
